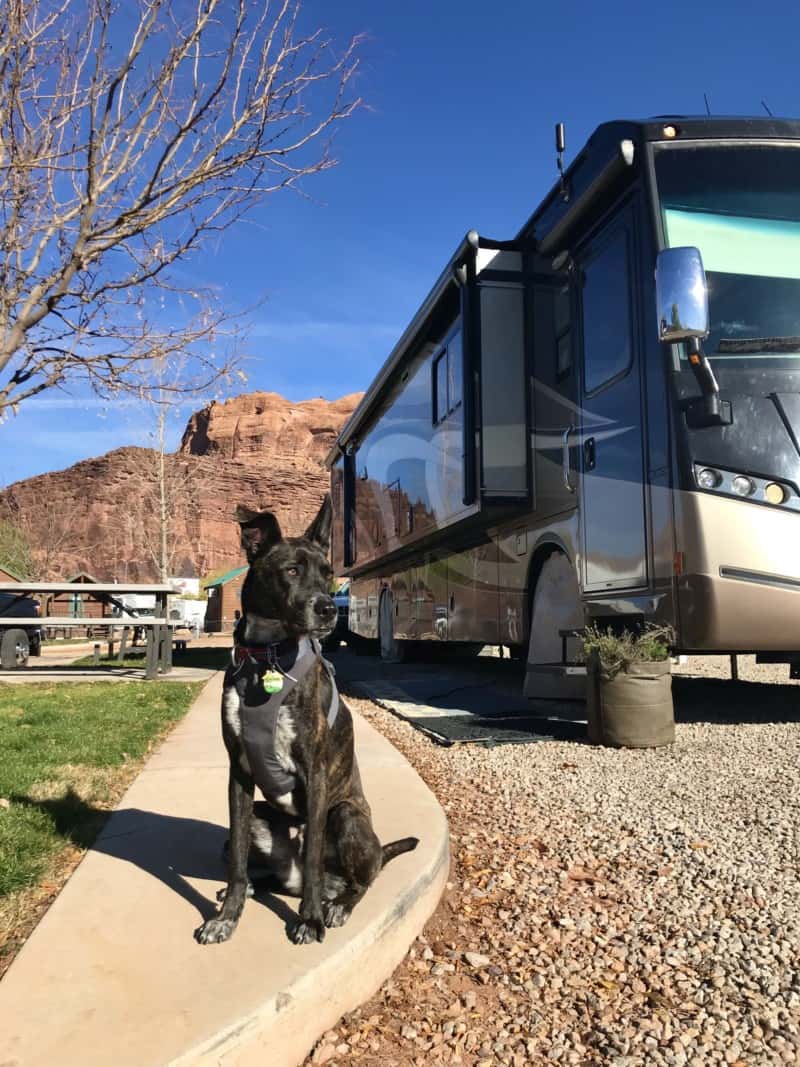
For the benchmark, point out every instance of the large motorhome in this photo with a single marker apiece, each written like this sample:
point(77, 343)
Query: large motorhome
point(595, 420)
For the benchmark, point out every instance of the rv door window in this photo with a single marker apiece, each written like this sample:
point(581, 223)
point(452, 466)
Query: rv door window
point(606, 314)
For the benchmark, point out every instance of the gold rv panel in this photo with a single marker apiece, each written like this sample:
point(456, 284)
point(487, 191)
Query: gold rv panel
point(739, 589)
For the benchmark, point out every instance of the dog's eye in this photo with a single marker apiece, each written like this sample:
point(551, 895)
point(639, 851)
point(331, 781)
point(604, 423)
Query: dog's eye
point(292, 572)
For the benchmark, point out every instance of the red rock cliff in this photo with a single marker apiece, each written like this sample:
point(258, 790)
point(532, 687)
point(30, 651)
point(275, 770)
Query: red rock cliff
point(258, 449)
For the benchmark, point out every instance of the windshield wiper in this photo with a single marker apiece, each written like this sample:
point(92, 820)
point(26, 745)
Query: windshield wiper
point(730, 345)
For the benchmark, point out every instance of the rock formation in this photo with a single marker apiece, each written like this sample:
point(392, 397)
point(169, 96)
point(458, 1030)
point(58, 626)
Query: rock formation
point(99, 515)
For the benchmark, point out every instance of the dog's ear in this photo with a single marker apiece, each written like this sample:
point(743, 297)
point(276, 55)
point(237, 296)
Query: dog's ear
point(320, 529)
point(260, 531)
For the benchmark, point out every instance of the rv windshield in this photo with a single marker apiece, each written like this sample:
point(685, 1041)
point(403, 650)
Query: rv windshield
point(740, 205)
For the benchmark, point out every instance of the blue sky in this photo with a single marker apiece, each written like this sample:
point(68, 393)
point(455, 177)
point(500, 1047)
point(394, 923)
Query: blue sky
point(462, 98)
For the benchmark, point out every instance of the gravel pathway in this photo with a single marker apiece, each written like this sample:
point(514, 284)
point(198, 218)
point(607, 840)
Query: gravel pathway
point(605, 907)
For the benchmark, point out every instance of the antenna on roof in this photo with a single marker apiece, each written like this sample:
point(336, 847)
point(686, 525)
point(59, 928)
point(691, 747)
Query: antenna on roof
point(708, 109)
point(560, 146)
point(764, 105)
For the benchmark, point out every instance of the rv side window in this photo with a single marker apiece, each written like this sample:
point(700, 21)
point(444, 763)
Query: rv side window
point(440, 388)
point(448, 379)
point(606, 314)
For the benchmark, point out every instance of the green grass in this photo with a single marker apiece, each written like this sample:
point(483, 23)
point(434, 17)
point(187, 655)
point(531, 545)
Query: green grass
point(68, 752)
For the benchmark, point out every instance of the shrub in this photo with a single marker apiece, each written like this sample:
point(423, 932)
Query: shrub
point(615, 651)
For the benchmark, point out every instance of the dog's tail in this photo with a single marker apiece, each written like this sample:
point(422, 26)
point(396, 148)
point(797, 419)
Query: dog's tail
point(397, 848)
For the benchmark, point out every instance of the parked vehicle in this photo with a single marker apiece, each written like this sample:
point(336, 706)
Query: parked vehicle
point(341, 599)
point(182, 612)
point(135, 604)
point(186, 614)
point(599, 419)
point(18, 643)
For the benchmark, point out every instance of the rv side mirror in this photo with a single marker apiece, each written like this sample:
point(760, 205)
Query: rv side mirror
point(681, 295)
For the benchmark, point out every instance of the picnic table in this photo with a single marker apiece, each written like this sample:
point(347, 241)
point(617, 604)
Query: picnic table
point(158, 654)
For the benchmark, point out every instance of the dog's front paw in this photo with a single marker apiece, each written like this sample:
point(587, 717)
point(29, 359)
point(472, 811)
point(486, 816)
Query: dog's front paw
point(335, 914)
point(304, 931)
point(214, 930)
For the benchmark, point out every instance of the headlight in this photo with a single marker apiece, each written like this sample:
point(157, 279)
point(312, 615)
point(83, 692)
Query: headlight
point(743, 485)
point(708, 478)
point(774, 493)
point(746, 487)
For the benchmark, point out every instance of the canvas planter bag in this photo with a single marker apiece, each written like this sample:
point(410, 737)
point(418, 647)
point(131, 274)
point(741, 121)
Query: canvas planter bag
point(634, 708)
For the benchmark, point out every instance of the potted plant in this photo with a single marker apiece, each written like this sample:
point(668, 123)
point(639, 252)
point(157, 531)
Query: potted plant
point(629, 687)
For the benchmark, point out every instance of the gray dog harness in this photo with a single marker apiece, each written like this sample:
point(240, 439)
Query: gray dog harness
point(259, 717)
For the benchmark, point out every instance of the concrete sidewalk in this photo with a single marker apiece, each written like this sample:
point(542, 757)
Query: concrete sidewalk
point(112, 973)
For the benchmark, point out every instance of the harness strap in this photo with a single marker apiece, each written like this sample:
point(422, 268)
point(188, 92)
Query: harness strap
point(330, 670)
point(260, 721)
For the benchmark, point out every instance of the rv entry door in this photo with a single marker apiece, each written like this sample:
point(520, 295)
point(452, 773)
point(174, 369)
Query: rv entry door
point(612, 497)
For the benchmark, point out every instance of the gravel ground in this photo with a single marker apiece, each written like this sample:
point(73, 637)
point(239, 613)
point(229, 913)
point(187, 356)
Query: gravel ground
point(606, 906)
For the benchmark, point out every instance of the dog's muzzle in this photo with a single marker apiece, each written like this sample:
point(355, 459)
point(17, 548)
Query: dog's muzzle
point(325, 611)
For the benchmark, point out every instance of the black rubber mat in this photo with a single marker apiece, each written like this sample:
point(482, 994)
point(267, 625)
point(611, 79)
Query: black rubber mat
point(494, 730)
point(476, 703)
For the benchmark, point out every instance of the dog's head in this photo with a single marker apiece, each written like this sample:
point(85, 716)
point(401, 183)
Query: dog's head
point(290, 577)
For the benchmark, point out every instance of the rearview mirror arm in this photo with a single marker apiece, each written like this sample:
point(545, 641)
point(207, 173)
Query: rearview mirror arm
point(712, 411)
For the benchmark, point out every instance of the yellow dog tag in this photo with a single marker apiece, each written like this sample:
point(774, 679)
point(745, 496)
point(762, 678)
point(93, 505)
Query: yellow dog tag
point(273, 681)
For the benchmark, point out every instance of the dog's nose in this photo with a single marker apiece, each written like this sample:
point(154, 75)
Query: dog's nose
point(324, 607)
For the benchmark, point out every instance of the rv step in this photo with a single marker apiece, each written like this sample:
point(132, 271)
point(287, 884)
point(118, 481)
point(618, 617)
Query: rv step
point(555, 681)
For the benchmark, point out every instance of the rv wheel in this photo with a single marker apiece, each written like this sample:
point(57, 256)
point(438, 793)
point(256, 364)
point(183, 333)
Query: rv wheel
point(392, 650)
point(556, 606)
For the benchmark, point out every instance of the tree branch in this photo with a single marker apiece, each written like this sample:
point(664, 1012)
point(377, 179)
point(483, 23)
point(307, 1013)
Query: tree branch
point(116, 165)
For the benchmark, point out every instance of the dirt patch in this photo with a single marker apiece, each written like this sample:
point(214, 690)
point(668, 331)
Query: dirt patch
point(93, 785)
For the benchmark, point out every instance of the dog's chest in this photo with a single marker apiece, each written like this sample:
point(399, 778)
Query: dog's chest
point(285, 734)
point(265, 746)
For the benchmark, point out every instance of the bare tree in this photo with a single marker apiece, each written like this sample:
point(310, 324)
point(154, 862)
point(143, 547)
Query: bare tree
point(129, 135)
point(15, 552)
point(166, 504)
point(48, 530)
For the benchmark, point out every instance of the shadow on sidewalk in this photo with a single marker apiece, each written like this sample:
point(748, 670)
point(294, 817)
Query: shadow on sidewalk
point(169, 847)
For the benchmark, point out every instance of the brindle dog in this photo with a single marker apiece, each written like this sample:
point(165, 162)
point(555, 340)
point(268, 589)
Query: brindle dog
point(316, 839)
